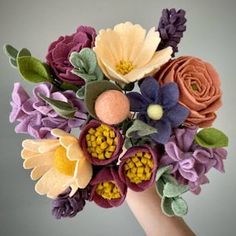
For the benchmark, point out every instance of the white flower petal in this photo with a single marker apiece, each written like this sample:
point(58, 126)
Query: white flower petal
point(39, 171)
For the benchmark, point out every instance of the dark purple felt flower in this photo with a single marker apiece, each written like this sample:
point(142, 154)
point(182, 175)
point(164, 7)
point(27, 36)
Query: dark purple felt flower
point(59, 52)
point(37, 118)
point(191, 162)
point(158, 107)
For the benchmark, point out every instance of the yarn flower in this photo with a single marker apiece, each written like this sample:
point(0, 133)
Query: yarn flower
point(137, 168)
point(158, 107)
point(191, 162)
point(57, 163)
point(37, 118)
point(126, 53)
point(107, 188)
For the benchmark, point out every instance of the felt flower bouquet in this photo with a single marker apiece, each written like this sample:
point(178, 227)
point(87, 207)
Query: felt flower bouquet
point(115, 110)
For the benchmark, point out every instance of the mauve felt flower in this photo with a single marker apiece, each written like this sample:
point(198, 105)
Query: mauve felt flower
point(57, 163)
point(37, 118)
point(127, 54)
point(101, 143)
point(199, 86)
point(191, 162)
point(137, 168)
point(107, 188)
point(158, 107)
point(59, 52)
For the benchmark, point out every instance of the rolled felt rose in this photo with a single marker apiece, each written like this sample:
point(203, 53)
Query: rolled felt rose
point(199, 86)
point(101, 143)
point(138, 167)
point(107, 188)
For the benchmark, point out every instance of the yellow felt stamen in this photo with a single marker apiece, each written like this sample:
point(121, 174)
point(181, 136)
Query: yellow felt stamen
point(108, 190)
point(124, 67)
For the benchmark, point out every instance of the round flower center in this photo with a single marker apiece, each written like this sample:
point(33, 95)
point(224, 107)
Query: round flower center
point(101, 142)
point(155, 111)
point(124, 67)
point(62, 163)
point(195, 86)
point(138, 168)
point(108, 190)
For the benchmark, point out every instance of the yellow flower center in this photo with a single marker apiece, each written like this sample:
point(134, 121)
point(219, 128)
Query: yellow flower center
point(138, 168)
point(195, 87)
point(124, 67)
point(62, 163)
point(108, 190)
point(101, 142)
point(155, 111)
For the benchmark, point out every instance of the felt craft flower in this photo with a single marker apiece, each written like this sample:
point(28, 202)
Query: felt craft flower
point(107, 188)
point(127, 54)
point(37, 118)
point(101, 143)
point(199, 86)
point(59, 52)
point(191, 162)
point(137, 168)
point(57, 163)
point(158, 107)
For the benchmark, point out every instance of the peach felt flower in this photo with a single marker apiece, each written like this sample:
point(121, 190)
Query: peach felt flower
point(59, 163)
point(199, 86)
point(126, 53)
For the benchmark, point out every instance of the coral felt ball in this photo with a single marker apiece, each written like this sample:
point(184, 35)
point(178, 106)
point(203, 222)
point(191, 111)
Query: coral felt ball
point(112, 107)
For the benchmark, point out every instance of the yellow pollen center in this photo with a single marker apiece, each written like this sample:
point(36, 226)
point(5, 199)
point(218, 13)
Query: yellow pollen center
point(108, 190)
point(101, 142)
point(138, 168)
point(62, 163)
point(155, 111)
point(124, 67)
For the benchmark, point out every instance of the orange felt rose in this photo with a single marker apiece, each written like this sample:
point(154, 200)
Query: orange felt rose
point(199, 86)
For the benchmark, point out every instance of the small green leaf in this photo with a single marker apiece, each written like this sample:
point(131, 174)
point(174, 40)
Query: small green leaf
point(85, 77)
point(161, 171)
point(128, 143)
point(98, 73)
point(89, 57)
point(77, 62)
point(13, 62)
point(211, 138)
point(166, 206)
point(80, 93)
point(174, 190)
point(169, 178)
point(33, 69)
point(160, 186)
point(179, 206)
point(23, 52)
point(67, 86)
point(10, 51)
point(63, 109)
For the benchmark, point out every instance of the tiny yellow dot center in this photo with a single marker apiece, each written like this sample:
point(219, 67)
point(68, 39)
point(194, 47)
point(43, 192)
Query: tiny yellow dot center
point(124, 67)
point(108, 190)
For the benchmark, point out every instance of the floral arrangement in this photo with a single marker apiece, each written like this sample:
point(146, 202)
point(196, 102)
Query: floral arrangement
point(143, 116)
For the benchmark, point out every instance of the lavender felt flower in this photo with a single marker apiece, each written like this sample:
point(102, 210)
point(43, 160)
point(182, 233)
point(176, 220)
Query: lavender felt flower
point(59, 52)
point(191, 162)
point(37, 118)
point(158, 107)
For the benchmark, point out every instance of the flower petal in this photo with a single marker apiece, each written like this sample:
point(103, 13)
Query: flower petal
point(137, 102)
point(74, 152)
point(39, 171)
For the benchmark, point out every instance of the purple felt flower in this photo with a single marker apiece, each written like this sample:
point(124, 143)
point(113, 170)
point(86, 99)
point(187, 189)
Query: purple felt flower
point(191, 162)
point(37, 118)
point(59, 52)
point(158, 107)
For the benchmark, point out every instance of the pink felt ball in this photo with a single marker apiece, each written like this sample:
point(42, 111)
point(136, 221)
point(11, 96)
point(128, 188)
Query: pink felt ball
point(112, 107)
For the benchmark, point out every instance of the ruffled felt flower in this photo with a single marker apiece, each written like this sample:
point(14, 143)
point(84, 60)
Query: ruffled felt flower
point(108, 190)
point(127, 54)
point(191, 162)
point(199, 86)
point(137, 168)
point(101, 143)
point(158, 106)
point(57, 163)
point(37, 118)
point(59, 52)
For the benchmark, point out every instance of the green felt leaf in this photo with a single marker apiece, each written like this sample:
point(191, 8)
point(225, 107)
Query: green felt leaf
point(161, 171)
point(89, 57)
point(140, 128)
point(10, 51)
point(23, 52)
point(179, 206)
point(127, 87)
point(63, 109)
point(85, 77)
point(211, 138)
point(77, 62)
point(128, 144)
point(166, 206)
point(174, 190)
point(33, 69)
point(98, 73)
point(80, 92)
point(67, 86)
point(160, 187)
point(169, 178)
point(13, 62)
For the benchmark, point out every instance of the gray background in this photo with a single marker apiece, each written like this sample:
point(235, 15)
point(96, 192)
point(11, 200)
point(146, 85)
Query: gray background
point(211, 35)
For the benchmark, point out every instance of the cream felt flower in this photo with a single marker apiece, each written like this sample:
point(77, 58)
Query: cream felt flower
point(126, 53)
point(57, 163)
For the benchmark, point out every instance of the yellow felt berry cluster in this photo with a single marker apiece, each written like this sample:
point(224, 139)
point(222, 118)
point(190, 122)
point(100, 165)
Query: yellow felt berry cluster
point(108, 190)
point(101, 142)
point(138, 168)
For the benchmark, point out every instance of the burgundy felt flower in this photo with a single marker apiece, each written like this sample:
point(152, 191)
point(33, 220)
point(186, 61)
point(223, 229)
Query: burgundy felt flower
point(108, 190)
point(101, 143)
point(138, 167)
point(59, 52)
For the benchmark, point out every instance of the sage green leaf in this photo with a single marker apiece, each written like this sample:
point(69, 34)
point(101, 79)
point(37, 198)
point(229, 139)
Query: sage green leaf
point(161, 171)
point(128, 144)
point(141, 129)
point(67, 86)
point(98, 73)
point(174, 190)
point(169, 178)
point(160, 187)
point(84, 76)
point(179, 206)
point(80, 93)
point(33, 69)
point(10, 51)
point(89, 57)
point(23, 52)
point(77, 62)
point(13, 62)
point(63, 109)
point(211, 138)
point(166, 206)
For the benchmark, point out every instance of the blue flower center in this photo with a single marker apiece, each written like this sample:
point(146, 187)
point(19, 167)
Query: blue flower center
point(155, 111)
